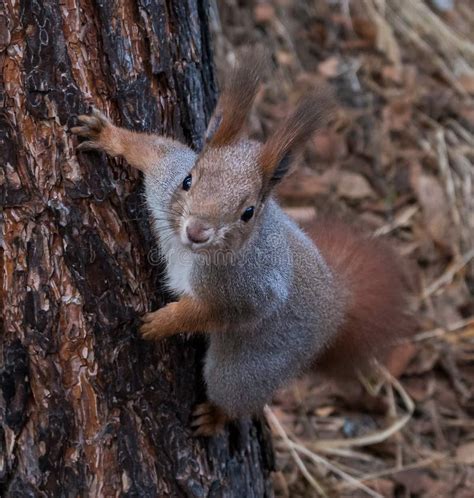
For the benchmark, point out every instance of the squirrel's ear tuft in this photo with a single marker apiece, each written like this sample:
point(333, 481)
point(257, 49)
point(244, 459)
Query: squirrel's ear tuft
point(311, 114)
point(236, 99)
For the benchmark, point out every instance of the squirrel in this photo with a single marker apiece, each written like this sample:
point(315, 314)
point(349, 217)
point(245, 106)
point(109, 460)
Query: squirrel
point(275, 301)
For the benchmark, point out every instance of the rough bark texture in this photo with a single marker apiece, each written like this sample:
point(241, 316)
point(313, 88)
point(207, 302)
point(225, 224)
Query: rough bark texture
point(87, 408)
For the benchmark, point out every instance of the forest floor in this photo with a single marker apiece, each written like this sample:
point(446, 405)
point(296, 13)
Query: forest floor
point(396, 161)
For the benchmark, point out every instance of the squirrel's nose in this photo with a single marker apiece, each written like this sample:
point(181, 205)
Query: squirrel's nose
point(198, 232)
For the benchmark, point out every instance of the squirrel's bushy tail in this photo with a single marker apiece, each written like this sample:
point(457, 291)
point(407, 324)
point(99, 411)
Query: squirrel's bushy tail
point(375, 290)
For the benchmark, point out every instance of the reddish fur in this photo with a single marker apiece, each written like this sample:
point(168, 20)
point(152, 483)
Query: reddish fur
point(236, 101)
point(209, 420)
point(185, 315)
point(311, 114)
point(372, 281)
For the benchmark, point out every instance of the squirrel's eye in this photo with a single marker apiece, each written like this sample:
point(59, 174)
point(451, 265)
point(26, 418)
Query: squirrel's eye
point(247, 214)
point(187, 182)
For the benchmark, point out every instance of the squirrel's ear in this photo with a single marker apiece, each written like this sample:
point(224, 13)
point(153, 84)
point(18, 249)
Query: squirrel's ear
point(235, 101)
point(311, 114)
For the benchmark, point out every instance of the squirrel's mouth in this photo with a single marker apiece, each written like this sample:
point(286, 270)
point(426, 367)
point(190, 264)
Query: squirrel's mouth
point(196, 234)
point(197, 248)
point(212, 250)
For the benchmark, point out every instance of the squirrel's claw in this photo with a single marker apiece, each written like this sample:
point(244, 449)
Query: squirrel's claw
point(100, 116)
point(148, 330)
point(208, 420)
point(90, 122)
point(96, 119)
point(94, 122)
point(159, 324)
point(88, 145)
point(92, 127)
point(148, 317)
point(84, 131)
point(203, 409)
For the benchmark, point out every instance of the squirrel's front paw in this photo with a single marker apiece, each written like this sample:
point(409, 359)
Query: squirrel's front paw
point(208, 420)
point(97, 128)
point(159, 324)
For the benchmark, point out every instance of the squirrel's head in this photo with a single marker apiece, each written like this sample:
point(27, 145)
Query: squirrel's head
point(222, 198)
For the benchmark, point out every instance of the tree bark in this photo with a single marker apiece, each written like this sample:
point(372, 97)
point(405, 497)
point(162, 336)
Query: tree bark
point(87, 407)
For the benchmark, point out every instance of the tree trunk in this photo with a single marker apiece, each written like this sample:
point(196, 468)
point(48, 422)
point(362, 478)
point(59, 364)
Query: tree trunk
point(88, 408)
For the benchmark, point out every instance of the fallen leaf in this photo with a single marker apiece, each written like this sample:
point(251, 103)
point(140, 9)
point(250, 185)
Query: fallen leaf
point(264, 13)
point(427, 359)
point(325, 411)
point(465, 453)
point(398, 114)
point(392, 74)
point(385, 487)
point(418, 389)
point(301, 214)
point(284, 58)
point(433, 201)
point(354, 186)
point(415, 481)
point(365, 28)
point(302, 185)
point(280, 486)
point(330, 67)
point(329, 145)
point(467, 82)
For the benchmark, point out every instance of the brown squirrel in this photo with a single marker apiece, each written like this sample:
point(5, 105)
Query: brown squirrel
point(274, 303)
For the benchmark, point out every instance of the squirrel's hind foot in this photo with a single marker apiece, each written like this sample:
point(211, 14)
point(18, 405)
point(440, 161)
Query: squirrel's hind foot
point(208, 420)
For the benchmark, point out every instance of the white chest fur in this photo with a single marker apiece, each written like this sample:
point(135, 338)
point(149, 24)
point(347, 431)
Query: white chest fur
point(179, 266)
